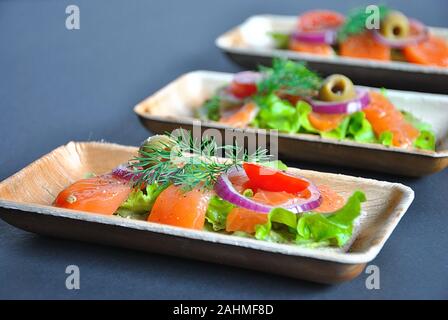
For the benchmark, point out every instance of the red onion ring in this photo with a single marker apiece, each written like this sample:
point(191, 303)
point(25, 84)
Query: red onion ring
point(328, 36)
point(422, 35)
point(247, 77)
point(226, 191)
point(350, 106)
point(123, 172)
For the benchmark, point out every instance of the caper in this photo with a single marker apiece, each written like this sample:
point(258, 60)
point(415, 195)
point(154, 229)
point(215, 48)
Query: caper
point(395, 25)
point(337, 88)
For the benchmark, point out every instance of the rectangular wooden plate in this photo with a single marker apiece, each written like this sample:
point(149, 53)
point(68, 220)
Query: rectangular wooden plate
point(26, 197)
point(174, 106)
point(249, 45)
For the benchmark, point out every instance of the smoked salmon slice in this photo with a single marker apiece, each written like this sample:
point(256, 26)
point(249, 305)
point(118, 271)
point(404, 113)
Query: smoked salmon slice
point(242, 117)
point(331, 201)
point(432, 52)
point(325, 122)
point(319, 49)
point(102, 194)
point(364, 46)
point(180, 208)
point(383, 116)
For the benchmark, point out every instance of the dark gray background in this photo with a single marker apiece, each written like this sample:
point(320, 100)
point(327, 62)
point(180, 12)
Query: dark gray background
point(58, 85)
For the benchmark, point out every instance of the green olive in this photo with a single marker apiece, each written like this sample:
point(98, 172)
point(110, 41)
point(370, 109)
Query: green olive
point(337, 88)
point(395, 26)
point(157, 142)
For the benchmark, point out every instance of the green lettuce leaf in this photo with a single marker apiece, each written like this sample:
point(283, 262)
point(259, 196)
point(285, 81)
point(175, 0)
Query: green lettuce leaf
point(426, 141)
point(336, 227)
point(280, 235)
point(386, 138)
point(276, 164)
point(281, 115)
point(339, 133)
point(360, 128)
point(278, 114)
point(318, 228)
point(217, 212)
point(140, 202)
point(278, 215)
point(304, 110)
point(312, 229)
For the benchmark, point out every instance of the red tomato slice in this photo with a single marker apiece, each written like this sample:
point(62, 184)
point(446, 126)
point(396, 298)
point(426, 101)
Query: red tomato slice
point(273, 180)
point(102, 194)
point(244, 84)
point(243, 90)
point(318, 20)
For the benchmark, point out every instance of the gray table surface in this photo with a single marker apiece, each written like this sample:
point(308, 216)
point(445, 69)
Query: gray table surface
point(58, 85)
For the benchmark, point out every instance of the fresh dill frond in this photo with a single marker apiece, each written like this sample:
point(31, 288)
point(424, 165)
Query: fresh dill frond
point(189, 162)
point(288, 77)
point(355, 23)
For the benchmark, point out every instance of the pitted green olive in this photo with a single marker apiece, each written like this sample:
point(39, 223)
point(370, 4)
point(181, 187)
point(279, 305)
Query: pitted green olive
point(337, 88)
point(157, 142)
point(395, 25)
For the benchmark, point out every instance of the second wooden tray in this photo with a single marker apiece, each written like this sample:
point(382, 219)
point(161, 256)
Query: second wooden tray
point(174, 106)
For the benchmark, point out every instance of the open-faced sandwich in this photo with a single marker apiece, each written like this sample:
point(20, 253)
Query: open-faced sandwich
point(176, 180)
point(291, 98)
point(395, 38)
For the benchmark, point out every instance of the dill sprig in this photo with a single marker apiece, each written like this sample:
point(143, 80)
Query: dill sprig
point(189, 162)
point(288, 77)
point(355, 23)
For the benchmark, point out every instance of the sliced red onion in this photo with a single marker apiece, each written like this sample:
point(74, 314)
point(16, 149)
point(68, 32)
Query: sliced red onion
point(422, 35)
point(350, 106)
point(123, 172)
point(226, 191)
point(328, 36)
point(247, 77)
